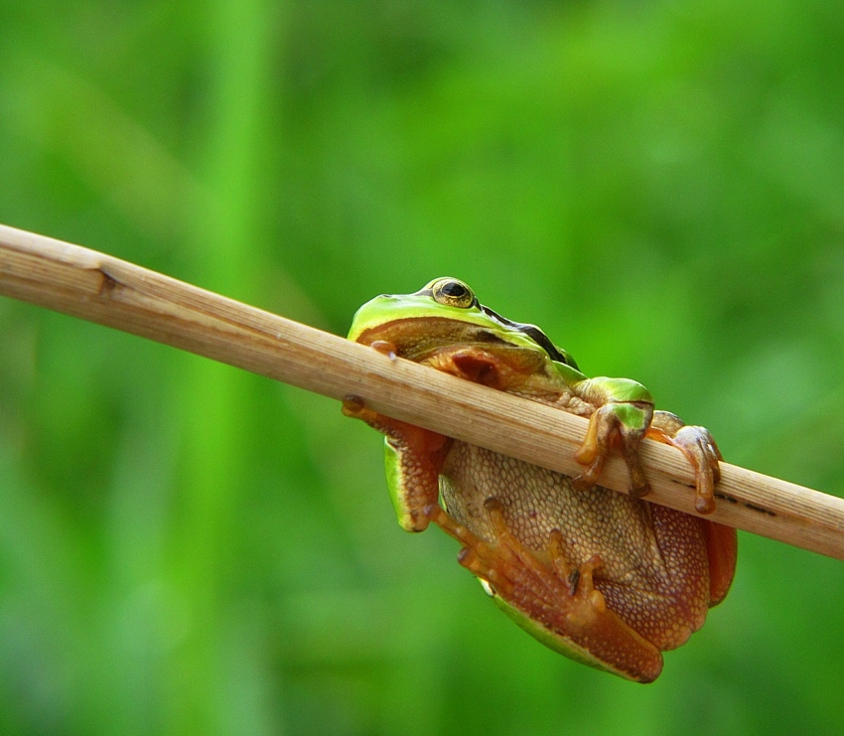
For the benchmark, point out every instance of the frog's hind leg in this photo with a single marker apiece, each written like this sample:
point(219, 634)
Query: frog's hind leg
point(554, 601)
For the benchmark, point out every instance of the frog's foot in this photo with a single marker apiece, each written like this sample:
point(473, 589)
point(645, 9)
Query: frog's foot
point(555, 602)
point(621, 425)
point(697, 444)
point(507, 564)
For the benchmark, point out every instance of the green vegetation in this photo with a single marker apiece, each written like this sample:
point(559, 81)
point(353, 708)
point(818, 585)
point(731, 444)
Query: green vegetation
point(190, 549)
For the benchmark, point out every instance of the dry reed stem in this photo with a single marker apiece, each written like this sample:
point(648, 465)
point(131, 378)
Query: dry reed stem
point(112, 292)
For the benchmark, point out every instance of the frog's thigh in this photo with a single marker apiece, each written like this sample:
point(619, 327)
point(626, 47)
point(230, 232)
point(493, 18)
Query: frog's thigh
point(678, 596)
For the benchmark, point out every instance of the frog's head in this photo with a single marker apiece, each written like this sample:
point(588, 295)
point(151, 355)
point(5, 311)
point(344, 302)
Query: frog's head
point(445, 312)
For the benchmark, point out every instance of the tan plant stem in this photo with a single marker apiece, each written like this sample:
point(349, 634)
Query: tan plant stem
point(97, 287)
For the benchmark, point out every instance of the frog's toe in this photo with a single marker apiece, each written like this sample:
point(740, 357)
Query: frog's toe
point(697, 445)
point(593, 452)
point(355, 407)
point(385, 348)
point(588, 479)
point(639, 485)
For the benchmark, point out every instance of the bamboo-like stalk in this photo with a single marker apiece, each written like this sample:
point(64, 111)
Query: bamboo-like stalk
point(103, 289)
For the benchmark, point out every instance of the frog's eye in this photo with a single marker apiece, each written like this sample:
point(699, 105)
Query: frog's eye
point(452, 293)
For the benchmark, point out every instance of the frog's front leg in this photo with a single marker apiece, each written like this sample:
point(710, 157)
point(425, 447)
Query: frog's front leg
point(553, 601)
point(622, 415)
point(697, 444)
point(413, 458)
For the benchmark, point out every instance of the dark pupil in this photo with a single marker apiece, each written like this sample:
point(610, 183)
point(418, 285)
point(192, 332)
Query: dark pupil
point(453, 289)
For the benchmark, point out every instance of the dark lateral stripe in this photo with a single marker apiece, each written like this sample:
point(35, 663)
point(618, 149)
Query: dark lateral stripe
point(535, 334)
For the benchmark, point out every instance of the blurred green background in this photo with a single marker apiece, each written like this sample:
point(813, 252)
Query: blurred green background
point(190, 549)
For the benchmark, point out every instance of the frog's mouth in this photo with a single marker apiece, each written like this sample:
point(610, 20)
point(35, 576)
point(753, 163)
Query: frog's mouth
point(468, 351)
point(416, 338)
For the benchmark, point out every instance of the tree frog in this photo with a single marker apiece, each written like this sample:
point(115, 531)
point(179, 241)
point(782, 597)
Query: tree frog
point(607, 579)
